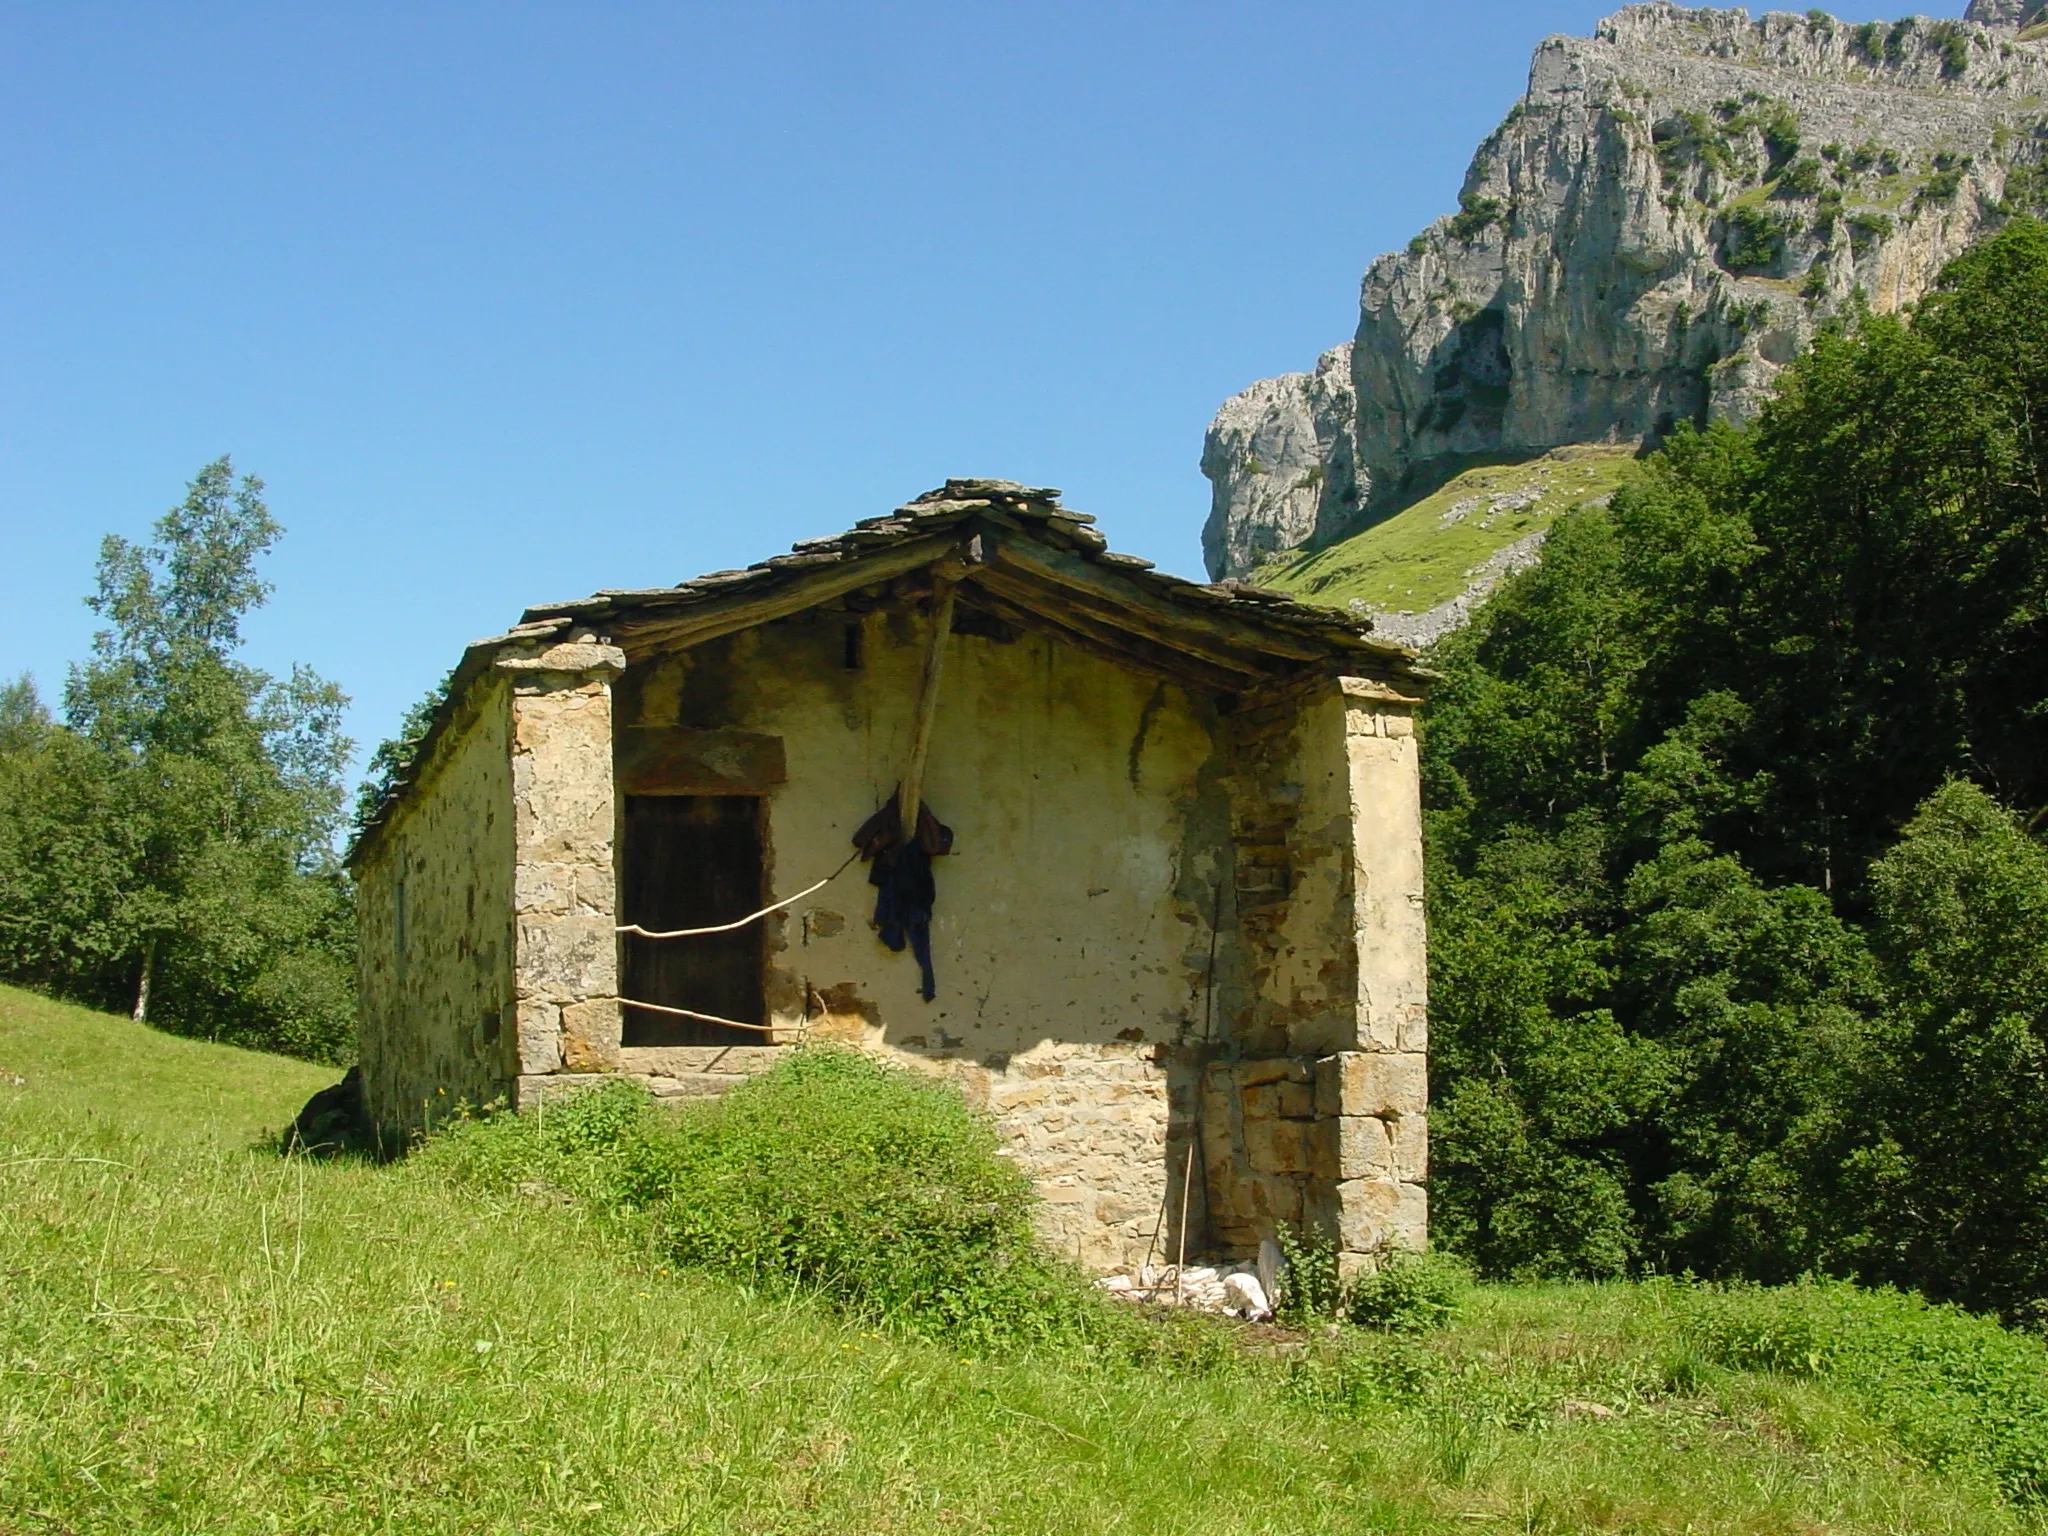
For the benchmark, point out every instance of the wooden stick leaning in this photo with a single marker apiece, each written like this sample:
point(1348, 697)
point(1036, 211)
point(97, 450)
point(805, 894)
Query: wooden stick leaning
point(1181, 1264)
point(910, 795)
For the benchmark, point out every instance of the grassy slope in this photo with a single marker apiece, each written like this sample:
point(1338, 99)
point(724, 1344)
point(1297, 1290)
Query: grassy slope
point(1421, 556)
point(199, 1336)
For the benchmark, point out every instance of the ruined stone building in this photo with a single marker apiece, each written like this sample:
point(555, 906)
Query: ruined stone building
point(1176, 946)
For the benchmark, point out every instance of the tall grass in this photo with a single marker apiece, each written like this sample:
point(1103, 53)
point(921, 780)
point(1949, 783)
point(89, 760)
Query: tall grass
point(834, 1175)
point(1955, 1389)
point(200, 1337)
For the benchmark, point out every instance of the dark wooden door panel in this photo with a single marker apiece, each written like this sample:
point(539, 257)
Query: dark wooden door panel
point(692, 861)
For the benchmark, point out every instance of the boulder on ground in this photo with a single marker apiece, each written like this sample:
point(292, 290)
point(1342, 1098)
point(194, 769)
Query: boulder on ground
point(334, 1121)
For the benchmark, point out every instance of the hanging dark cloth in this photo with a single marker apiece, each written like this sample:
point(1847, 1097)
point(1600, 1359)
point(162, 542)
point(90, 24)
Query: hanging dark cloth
point(902, 877)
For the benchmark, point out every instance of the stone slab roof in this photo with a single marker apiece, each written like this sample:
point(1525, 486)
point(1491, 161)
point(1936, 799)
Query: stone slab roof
point(1021, 558)
point(1032, 510)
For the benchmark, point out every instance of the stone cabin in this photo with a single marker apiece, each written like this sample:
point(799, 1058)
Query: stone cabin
point(1176, 941)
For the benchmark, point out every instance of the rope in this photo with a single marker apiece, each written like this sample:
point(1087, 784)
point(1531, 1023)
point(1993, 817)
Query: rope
point(692, 933)
point(708, 1018)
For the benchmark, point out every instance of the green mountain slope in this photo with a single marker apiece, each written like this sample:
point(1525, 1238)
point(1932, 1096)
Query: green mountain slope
point(1429, 552)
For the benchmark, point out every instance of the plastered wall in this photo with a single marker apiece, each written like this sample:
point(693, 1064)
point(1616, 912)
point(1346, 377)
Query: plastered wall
point(435, 981)
point(1072, 937)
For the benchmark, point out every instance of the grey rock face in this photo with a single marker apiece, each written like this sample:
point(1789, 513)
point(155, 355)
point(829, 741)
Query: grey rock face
point(1660, 225)
point(1281, 453)
point(2012, 14)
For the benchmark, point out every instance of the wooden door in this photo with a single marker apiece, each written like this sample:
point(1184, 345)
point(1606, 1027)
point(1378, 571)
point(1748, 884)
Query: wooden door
point(692, 861)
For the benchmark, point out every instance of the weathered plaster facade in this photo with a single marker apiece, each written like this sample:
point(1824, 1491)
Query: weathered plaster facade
point(1178, 939)
point(434, 925)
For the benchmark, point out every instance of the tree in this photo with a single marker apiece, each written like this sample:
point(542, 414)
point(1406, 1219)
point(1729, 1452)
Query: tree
point(1954, 1186)
point(394, 756)
point(1698, 1004)
point(172, 842)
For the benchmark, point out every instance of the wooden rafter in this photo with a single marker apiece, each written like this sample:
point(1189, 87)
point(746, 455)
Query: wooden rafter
point(1023, 605)
point(1122, 603)
point(641, 632)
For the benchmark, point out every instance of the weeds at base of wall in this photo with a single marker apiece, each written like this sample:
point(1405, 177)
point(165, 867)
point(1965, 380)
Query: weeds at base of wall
point(833, 1174)
point(1409, 1292)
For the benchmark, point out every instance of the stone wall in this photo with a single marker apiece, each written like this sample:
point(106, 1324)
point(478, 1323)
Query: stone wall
point(566, 968)
point(1316, 1115)
point(434, 925)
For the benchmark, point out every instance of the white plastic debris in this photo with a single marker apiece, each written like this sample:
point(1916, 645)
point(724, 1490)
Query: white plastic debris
point(1203, 1287)
point(1247, 1298)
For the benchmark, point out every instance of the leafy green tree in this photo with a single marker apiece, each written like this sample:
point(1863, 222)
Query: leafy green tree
point(1954, 1186)
point(66, 851)
point(170, 846)
point(23, 719)
point(394, 756)
point(1666, 775)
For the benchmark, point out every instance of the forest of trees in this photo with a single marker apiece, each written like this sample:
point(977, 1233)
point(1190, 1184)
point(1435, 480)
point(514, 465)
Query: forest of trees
point(1739, 910)
point(167, 848)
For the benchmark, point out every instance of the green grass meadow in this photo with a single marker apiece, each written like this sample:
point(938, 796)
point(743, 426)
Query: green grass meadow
point(203, 1336)
point(1423, 554)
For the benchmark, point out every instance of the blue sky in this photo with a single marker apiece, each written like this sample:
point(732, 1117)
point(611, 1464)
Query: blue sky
point(509, 302)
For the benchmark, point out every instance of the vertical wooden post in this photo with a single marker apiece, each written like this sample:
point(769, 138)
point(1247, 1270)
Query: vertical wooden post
point(910, 795)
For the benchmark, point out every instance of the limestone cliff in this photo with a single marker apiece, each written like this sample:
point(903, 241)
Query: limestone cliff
point(2013, 14)
point(1660, 224)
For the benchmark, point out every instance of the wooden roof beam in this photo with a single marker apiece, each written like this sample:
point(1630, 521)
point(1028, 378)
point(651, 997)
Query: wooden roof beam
point(1021, 605)
point(1123, 602)
point(714, 617)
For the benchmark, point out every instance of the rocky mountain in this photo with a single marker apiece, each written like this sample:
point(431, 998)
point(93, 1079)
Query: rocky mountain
point(1660, 224)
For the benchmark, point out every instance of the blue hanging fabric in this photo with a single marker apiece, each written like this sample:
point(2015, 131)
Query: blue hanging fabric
point(905, 891)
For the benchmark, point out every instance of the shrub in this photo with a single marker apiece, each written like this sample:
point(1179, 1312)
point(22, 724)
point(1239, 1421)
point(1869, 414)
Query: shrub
point(1897, 41)
point(877, 1189)
point(1309, 1289)
point(1954, 44)
point(1779, 125)
point(1804, 177)
point(1476, 215)
point(2026, 191)
point(1953, 1387)
point(1411, 1293)
point(1866, 227)
point(1755, 237)
point(1690, 139)
point(1947, 179)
